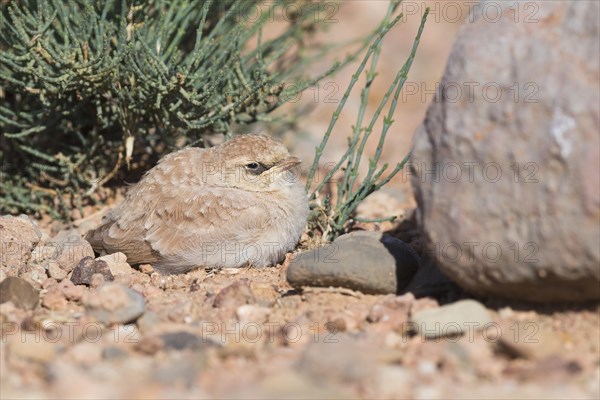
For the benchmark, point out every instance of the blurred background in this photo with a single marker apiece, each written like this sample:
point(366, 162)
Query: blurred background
point(352, 19)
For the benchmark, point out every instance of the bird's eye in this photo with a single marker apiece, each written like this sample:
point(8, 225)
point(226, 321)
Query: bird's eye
point(255, 168)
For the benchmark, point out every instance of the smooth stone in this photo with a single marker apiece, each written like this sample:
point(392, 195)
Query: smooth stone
point(180, 341)
point(370, 262)
point(19, 292)
point(113, 353)
point(113, 303)
point(234, 295)
point(451, 320)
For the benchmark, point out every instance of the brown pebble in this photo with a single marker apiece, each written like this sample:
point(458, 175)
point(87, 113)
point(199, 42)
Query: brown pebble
point(97, 280)
point(87, 268)
point(195, 286)
point(71, 291)
point(150, 345)
point(49, 282)
point(235, 295)
point(146, 269)
point(54, 299)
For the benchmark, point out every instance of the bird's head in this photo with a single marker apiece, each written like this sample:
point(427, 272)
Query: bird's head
point(256, 163)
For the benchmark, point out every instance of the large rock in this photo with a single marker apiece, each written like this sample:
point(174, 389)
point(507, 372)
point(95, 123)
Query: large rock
point(508, 187)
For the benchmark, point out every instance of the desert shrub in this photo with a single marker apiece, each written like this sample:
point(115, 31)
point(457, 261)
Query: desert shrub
point(92, 90)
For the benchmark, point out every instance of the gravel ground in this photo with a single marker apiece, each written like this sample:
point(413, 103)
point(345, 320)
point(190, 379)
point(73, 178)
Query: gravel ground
point(246, 333)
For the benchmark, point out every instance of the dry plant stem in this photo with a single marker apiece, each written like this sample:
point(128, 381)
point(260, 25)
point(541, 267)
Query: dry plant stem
point(382, 31)
point(348, 197)
point(370, 76)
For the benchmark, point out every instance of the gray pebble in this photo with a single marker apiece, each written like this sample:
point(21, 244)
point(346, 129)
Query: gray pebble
point(450, 320)
point(19, 292)
point(114, 303)
point(181, 340)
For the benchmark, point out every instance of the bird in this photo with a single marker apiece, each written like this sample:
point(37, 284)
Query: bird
point(240, 203)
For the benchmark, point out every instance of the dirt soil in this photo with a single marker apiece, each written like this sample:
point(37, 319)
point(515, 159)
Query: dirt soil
point(245, 333)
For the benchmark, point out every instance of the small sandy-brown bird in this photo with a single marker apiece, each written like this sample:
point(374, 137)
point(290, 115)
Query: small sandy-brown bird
point(239, 203)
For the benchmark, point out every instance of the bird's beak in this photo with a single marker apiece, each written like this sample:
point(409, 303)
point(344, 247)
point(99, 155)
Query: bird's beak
point(288, 163)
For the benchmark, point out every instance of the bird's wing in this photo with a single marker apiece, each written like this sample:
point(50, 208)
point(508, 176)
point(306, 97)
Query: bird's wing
point(178, 226)
point(123, 230)
point(181, 228)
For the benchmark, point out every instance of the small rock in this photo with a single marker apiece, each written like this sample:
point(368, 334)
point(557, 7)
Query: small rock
point(181, 372)
point(36, 275)
point(18, 237)
point(71, 291)
point(54, 299)
point(49, 282)
point(234, 295)
point(84, 353)
point(341, 322)
point(450, 320)
point(87, 267)
point(370, 262)
point(113, 353)
point(114, 303)
point(195, 286)
point(71, 248)
point(250, 313)
point(19, 292)
point(43, 252)
point(125, 280)
point(150, 345)
point(97, 280)
point(30, 347)
point(391, 312)
point(117, 263)
point(527, 340)
point(146, 269)
point(181, 312)
point(340, 358)
point(229, 271)
point(55, 271)
point(148, 321)
point(158, 280)
point(180, 341)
